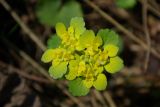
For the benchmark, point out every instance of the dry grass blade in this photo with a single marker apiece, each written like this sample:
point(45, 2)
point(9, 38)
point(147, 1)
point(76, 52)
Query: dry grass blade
point(151, 8)
point(109, 99)
point(100, 98)
point(146, 33)
point(25, 75)
point(93, 101)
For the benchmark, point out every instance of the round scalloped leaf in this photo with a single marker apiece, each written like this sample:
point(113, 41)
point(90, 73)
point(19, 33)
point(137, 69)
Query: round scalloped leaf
point(79, 25)
point(86, 39)
point(115, 64)
point(47, 11)
point(77, 87)
point(108, 36)
point(101, 82)
point(53, 42)
point(111, 49)
point(77, 22)
point(59, 70)
point(48, 56)
point(69, 10)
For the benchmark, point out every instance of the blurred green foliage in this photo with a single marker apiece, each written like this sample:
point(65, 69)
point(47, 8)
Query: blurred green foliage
point(126, 4)
point(49, 12)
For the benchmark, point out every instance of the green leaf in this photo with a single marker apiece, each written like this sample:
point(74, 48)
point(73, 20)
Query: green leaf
point(109, 36)
point(111, 49)
point(79, 25)
point(48, 55)
point(69, 10)
point(115, 64)
point(77, 22)
point(47, 11)
point(126, 4)
point(86, 39)
point(59, 70)
point(53, 42)
point(50, 12)
point(101, 82)
point(77, 87)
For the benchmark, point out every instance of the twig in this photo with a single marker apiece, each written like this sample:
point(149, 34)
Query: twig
point(151, 8)
point(23, 25)
point(121, 28)
point(144, 12)
point(27, 58)
point(100, 98)
point(154, 4)
point(93, 101)
point(25, 75)
point(70, 96)
point(125, 15)
point(35, 64)
point(109, 99)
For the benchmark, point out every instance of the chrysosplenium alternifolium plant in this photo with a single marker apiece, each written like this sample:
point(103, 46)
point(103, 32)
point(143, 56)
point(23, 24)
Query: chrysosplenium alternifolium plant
point(81, 57)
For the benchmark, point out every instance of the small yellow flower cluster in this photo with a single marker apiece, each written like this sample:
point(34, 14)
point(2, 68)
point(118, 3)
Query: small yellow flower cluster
point(82, 55)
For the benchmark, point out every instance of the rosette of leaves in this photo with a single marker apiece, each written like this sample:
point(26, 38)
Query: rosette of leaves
point(82, 57)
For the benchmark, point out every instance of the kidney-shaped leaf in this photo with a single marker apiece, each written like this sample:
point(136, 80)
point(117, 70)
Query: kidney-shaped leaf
point(109, 36)
point(101, 82)
point(77, 87)
point(115, 64)
point(59, 70)
point(111, 49)
point(48, 56)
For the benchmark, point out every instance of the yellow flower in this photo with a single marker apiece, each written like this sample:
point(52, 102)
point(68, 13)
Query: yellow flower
point(71, 35)
point(82, 57)
point(90, 42)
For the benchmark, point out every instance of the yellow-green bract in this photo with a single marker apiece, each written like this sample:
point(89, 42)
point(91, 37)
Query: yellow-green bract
point(82, 57)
